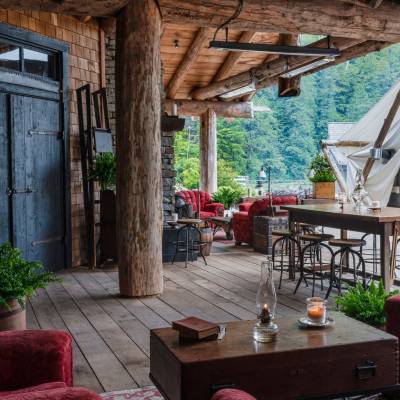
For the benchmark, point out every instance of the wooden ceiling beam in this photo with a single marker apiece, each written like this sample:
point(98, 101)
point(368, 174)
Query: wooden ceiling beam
point(353, 52)
point(265, 71)
point(320, 17)
point(187, 62)
point(347, 54)
point(195, 108)
point(98, 8)
point(233, 57)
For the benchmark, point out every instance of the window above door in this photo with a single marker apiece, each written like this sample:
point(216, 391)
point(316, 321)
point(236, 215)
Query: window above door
point(29, 60)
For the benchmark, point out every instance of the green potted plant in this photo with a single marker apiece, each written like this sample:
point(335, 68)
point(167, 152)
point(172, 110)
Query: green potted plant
point(322, 177)
point(104, 172)
point(19, 279)
point(366, 305)
point(227, 195)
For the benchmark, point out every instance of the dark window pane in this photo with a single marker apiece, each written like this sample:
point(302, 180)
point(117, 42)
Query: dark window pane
point(38, 63)
point(9, 56)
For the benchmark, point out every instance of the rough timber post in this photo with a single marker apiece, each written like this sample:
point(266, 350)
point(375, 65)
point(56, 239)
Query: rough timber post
point(139, 197)
point(208, 151)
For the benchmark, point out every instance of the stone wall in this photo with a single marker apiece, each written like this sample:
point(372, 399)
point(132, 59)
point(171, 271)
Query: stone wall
point(84, 67)
point(167, 149)
point(168, 172)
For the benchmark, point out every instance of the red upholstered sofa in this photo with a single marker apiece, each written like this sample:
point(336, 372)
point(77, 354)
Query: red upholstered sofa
point(37, 365)
point(243, 219)
point(207, 207)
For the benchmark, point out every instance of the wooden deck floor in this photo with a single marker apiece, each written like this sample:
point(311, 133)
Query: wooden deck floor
point(111, 334)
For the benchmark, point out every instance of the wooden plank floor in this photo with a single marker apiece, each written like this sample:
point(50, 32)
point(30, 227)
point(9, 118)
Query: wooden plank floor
point(111, 334)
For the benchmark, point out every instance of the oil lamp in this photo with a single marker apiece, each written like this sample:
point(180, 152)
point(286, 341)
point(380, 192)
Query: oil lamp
point(265, 329)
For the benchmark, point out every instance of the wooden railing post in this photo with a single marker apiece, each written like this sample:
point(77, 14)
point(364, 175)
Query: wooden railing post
point(138, 148)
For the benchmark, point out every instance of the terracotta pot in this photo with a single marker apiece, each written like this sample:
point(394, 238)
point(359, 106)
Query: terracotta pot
point(14, 318)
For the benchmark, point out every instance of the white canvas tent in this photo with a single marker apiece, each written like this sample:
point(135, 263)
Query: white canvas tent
point(352, 151)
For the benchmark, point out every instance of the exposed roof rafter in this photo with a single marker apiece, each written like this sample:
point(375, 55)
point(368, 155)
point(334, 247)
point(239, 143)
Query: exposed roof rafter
point(233, 57)
point(188, 60)
point(264, 71)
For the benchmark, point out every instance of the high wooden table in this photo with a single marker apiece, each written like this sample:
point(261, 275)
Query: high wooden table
point(349, 358)
point(381, 223)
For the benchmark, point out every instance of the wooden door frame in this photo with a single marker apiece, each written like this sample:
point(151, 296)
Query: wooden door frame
point(40, 42)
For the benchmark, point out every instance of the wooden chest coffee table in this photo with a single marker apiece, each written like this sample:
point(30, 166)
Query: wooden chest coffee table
point(350, 357)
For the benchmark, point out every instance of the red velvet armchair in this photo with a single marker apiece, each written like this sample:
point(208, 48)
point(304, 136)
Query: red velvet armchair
point(37, 365)
point(208, 209)
point(242, 221)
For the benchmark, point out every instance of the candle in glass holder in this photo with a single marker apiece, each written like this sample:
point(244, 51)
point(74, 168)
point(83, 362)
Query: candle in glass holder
point(316, 310)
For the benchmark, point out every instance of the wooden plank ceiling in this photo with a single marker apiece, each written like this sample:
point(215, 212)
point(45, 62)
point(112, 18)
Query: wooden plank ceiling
point(176, 42)
point(192, 70)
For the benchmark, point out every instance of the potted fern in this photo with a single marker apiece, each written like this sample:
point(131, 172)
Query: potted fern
point(227, 195)
point(366, 304)
point(19, 279)
point(322, 177)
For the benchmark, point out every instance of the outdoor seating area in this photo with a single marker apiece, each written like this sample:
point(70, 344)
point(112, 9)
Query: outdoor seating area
point(199, 200)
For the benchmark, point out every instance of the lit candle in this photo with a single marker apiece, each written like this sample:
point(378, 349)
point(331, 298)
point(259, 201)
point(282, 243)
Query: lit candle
point(316, 310)
point(265, 316)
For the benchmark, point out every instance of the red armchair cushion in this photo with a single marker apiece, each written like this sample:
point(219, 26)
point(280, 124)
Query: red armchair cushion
point(232, 394)
point(30, 358)
point(245, 206)
point(243, 221)
point(190, 197)
point(66, 393)
point(38, 388)
point(392, 313)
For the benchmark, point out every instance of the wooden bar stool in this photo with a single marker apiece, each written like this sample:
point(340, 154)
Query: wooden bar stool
point(349, 260)
point(290, 249)
point(311, 262)
point(187, 242)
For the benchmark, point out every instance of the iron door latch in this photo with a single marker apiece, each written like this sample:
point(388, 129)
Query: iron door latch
point(11, 192)
point(365, 370)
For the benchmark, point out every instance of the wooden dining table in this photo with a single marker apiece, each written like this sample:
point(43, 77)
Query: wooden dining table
point(384, 222)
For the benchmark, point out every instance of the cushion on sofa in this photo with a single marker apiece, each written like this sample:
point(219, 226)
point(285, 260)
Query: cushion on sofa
point(67, 393)
point(37, 388)
point(32, 357)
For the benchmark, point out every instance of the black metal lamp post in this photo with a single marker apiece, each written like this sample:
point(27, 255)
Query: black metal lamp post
point(262, 177)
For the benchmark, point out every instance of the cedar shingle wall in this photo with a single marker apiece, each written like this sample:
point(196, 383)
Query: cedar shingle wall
point(83, 68)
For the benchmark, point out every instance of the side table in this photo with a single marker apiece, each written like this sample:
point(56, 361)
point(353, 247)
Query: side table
point(224, 223)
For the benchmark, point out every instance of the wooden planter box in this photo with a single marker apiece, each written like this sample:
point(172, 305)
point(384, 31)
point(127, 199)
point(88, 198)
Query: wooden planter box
point(324, 190)
point(108, 230)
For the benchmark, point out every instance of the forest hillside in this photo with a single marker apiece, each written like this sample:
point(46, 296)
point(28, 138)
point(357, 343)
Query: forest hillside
point(287, 137)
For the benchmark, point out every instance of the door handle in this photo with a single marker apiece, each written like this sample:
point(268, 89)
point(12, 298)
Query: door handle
point(11, 192)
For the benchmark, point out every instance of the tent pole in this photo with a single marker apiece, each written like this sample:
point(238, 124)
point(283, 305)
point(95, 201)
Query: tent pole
point(382, 134)
point(337, 173)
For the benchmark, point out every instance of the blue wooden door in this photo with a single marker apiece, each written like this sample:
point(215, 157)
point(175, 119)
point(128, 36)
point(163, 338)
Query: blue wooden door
point(37, 180)
point(4, 171)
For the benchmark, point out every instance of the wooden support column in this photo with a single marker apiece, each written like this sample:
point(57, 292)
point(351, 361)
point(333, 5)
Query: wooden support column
point(139, 197)
point(208, 151)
